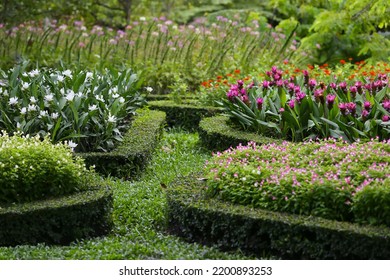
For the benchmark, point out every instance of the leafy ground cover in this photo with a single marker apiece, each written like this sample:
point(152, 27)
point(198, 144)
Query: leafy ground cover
point(139, 214)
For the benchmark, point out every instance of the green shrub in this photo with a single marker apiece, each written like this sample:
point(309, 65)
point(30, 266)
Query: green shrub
point(33, 169)
point(195, 216)
point(329, 179)
point(58, 220)
point(129, 158)
point(218, 133)
point(186, 115)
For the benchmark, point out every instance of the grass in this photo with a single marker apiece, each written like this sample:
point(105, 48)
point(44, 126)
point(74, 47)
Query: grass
point(139, 214)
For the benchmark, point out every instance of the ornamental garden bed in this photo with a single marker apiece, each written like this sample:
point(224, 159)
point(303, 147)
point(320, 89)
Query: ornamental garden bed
point(48, 195)
point(316, 200)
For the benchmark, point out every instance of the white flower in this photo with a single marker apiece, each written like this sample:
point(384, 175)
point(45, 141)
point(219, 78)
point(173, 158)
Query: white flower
point(33, 73)
point(54, 116)
point(111, 119)
point(18, 125)
point(99, 97)
point(33, 100)
point(13, 100)
point(149, 89)
point(70, 95)
point(43, 113)
point(92, 107)
point(5, 93)
point(49, 97)
point(62, 91)
point(142, 18)
point(32, 107)
point(113, 90)
point(115, 95)
point(67, 73)
point(89, 75)
point(72, 144)
point(121, 100)
point(23, 111)
point(25, 85)
point(60, 78)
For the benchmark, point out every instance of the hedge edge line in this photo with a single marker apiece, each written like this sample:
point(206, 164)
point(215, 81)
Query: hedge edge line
point(216, 134)
point(58, 220)
point(194, 216)
point(186, 116)
point(131, 157)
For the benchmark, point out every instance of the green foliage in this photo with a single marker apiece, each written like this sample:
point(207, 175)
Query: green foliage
point(32, 169)
point(130, 158)
point(89, 108)
point(58, 220)
point(196, 217)
point(218, 133)
point(350, 29)
point(186, 116)
point(315, 178)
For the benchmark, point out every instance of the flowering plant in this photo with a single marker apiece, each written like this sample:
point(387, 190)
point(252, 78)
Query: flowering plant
point(89, 109)
point(33, 169)
point(330, 179)
point(300, 107)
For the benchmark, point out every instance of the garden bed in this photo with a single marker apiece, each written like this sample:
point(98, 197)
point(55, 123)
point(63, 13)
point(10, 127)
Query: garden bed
point(217, 134)
point(186, 116)
point(131, 157)
point(59, 220)
point(196, 217)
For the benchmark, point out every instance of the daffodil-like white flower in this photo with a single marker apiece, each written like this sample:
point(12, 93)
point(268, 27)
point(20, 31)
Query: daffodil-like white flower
point(54, 116)
point(33, 73)
point(70, 95)
point(111, 119)
point(72, 144)
point(23, 111)
point(13, 101)
point(49, 97)
point(25, 85)
point(67, 73)
point(32, 107)
point(149, 89)
point(92, 107)
point(121, 100)
point(33, 100)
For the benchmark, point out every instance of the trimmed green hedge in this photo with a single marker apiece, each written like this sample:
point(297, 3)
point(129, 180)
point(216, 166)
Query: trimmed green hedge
point(131, 157)
point(194, 216)
point(216, 134)
point(186, 116)
point(57, 221)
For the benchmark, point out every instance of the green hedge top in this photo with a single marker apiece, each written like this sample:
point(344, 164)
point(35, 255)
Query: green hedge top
point(217, 134)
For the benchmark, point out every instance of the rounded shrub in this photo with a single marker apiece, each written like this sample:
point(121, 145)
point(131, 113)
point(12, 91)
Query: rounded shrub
point(33, 169)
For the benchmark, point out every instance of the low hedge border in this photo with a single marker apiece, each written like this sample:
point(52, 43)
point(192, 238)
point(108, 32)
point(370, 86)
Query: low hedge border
point(194, 216)
point(186, 115)
point(216, 134)
point(132, 155)
point(58, 220)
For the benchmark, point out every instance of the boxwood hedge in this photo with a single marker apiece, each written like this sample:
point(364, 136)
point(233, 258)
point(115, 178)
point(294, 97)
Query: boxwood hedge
point(131, 157)
point(217, 134)
point(185, 115)
point(196, 217)
point(57, 220)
